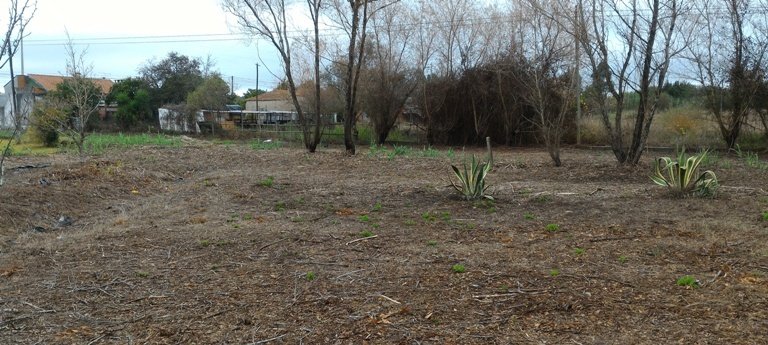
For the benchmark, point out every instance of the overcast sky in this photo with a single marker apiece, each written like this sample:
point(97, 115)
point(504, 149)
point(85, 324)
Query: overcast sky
point(121, 36)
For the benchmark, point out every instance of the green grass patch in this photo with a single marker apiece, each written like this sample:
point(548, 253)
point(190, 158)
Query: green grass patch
point(623, 259)
point(687, 281)
point(27, 149)
point(265, 145)
point(267, 182)
point(6, 133)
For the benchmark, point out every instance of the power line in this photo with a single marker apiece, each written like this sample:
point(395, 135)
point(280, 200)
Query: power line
point(325, 32)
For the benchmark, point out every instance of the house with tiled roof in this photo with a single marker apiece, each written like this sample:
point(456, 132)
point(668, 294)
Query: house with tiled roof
point(32, 88)
point(275, 100)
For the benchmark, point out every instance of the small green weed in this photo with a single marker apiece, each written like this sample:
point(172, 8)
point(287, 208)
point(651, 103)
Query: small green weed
point(450, 153)
point(366, 233)
point(376, 207)
point(458, 268)
point(488, 204)
point(554, 272)
point(445, 216)
point(553, 227)
point(428, 217)
point(142, 274)
point(765, 215)
point(579, 251)
point(280, 206)
point(364, 218)
point(205, 243)
point(409, 222)
point(623, 259)
point(542, 198)
point(297, 219)
point(310, 276)
point(267, 182)
point(432, 243)
point(687, 281)
point(529, 216)
point(401, 150)
point(430, 152)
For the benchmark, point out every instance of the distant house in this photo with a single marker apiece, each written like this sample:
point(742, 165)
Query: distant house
point(276, 100)
point(33, 87)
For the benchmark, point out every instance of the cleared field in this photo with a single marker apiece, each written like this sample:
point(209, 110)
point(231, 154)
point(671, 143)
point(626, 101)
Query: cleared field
point(231, 244)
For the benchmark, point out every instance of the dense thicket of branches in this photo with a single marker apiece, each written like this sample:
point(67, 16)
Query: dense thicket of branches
point(486, 101)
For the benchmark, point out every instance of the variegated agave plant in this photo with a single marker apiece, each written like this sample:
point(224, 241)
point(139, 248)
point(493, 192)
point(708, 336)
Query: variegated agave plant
point(471, 178)
point(681, 175)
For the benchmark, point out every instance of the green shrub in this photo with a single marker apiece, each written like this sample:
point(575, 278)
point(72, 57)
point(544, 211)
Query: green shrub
point(44, 124)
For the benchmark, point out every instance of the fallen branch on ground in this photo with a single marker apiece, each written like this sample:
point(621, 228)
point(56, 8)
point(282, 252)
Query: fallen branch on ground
point(362, 239)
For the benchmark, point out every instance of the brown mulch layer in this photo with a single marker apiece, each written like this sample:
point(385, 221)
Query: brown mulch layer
point(225, 244)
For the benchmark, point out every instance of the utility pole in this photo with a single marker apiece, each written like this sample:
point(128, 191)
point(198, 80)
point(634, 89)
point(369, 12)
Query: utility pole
point(257, 87)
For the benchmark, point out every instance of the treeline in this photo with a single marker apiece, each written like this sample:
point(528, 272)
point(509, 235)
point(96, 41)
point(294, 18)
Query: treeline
point(520, 71)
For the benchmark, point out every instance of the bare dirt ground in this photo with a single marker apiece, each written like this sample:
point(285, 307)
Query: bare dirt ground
point(194, 245)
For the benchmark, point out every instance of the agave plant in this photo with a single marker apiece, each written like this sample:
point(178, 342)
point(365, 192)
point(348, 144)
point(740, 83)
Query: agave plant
point(471, 183)
point(681, 175)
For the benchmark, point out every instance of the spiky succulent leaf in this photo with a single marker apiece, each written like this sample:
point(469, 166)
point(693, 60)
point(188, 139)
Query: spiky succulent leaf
point(471, 179)
point(680, 174)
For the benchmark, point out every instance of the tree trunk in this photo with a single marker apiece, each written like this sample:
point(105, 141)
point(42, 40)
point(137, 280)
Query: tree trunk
point(318, 123)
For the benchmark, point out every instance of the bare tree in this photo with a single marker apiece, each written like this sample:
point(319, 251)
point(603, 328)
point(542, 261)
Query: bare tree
point(547, 72)
point(19, 14)
point(629, 45)
point(77, 97)
point(388, 78)
point(728, 60)
point(269, 19)
point(353, 16)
